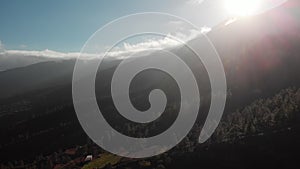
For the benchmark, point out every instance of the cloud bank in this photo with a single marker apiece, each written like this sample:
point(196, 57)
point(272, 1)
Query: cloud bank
point(19, 58)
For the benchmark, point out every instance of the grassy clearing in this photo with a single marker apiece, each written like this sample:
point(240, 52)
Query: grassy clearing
point(102, 161)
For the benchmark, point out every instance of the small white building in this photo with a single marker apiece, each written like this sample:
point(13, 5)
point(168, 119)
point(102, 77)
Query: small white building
point(88, 158)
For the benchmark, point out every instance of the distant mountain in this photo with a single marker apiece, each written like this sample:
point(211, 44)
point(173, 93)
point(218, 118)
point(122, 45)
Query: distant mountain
point(35, 77)
point(260, 55)
point(11, 59)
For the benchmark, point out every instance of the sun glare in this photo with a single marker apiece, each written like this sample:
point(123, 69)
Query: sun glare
point(242, 7)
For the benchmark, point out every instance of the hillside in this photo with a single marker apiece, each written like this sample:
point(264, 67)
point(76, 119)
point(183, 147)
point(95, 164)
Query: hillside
point(261, 60)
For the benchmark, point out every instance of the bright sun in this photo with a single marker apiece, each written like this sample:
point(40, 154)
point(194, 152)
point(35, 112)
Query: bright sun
point(242, 7)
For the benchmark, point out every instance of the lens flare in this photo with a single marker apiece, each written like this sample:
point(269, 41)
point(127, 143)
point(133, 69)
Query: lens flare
point(242, 7)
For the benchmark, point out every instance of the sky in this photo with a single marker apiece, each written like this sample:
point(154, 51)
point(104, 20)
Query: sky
point(65, 25)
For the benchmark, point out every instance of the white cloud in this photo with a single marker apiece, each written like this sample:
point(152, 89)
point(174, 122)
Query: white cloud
point(125, 49)
point(10, 59)
point(17, 58)
point(151, 44)
point(169, 41)
point(44, 53)
point(205, 29)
